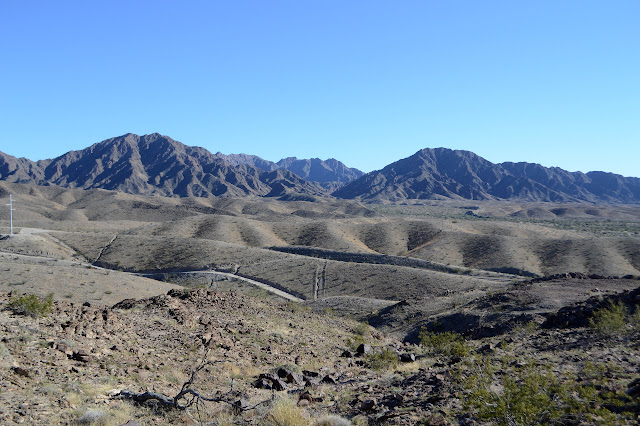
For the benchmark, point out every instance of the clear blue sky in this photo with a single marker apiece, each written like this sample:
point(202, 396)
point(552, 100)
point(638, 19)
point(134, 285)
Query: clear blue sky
point(367, 82)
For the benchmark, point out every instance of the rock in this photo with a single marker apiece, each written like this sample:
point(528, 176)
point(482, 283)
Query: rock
point(408, 357)
point(310, 373)
point(633, 388)
point(368, 405)
point(92, 416)
point(268, 376)
point(131, 423)
point(347, 354)
point(364, 349)
point(329, 379)
point(81, 355)
point(306, 395)
point(435, 420)
point(21, 371)
point(295, 379)
point(279, 385)
point(454, 360)
point(489, 348)
point(283, 372)
point(263, 384)
point(66, 349)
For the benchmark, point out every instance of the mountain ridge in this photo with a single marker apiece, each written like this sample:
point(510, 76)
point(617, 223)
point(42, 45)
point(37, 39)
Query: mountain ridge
point(153, 165)
point(433, 173)
point(158, 165)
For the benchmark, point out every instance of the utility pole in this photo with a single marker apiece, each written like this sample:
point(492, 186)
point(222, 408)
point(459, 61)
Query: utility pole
point(11, 209)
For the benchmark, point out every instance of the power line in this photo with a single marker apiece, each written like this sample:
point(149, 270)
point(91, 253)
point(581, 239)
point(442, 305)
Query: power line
point(11, 210)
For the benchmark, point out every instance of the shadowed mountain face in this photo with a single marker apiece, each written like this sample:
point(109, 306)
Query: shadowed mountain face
point(444, 173)
point(153, 164)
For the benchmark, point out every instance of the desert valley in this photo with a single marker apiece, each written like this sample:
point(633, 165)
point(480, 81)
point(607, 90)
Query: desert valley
point(197, 288)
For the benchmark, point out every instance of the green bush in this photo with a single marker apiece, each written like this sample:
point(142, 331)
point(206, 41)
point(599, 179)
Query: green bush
point(610, 320)
point(32, 305)
point(530, 393)
point(445, 344)
point(381, 361)
point(521, 397)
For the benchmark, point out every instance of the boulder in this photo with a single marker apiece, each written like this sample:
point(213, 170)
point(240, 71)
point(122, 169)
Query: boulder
point(364, 349)
point(408, 357)
point(81, 355)
point(329, 379)
point(369, 405)
point(279, 385)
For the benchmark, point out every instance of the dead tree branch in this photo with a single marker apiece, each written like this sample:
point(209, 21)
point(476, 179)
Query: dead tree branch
point(187, 396)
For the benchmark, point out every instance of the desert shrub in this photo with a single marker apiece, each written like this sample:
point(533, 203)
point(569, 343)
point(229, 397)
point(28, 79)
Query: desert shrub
point(520, 398)
point(354, 341)
point(446, 344)
point(297, 307)
point(285, 412)
point(610, 320)
point(530, 393)
point(32, 305)
point(635, 318)
point(361, 329)
point(331, 421)
point(383, 360)
point(520, 330)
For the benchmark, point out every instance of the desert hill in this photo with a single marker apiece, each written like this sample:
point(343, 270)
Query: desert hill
point(524, 238)
point(445, 173)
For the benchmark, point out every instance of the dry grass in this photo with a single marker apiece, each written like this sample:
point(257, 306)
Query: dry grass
point(285, 412)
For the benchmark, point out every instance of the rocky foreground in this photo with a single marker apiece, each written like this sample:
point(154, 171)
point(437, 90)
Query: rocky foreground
point(264, 362)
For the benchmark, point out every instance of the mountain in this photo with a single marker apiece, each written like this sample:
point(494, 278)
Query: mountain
point(154, 165)
point(19, 170)
point(158, 165)
point(252, 160)
point(330, 174)
point(445, 173)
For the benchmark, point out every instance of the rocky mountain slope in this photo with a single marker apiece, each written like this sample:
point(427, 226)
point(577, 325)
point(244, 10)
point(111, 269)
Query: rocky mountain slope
point(444, 173)
point(261, 362)
point(153, 165)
